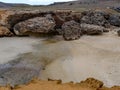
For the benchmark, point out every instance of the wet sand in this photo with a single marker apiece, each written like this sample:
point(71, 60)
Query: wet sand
point(11, 47)
point(90, 56)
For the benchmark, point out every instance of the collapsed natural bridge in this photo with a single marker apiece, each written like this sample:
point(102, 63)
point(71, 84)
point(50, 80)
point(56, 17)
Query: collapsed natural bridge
point(71, 25)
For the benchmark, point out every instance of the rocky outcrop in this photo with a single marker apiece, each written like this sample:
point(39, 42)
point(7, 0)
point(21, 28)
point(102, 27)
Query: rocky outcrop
point(91, 82)
point(71, 30)
point(25, 22)
point(95, 17)
point(62, 17)
point(5, 32)
point(100, 18)
point(114, 20)
point(43, 25)
point(91, 29)
point(10, 18)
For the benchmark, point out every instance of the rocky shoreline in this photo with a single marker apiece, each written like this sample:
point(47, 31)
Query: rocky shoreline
point(68, 24)
point(71, 25)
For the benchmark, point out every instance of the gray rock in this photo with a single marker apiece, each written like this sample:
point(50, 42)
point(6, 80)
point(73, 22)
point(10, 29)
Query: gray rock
point(95, 17)
point(42, 25)
point(114, 20)
point(71, 30)
point(91, 29)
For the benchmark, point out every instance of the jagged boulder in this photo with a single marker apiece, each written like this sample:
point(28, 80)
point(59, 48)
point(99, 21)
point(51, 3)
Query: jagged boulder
point(96, 18)
point(5, 32)
point(92, 29)
point(42, 25)
point(71, 30)
point(10, 18)
point(91, 82)
point(114, 20)
point(62, 17)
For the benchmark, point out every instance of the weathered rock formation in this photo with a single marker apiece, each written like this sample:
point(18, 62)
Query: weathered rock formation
point(71, 30)
point(91, 82)
point(5, 32)
point(42, 25)
point(58, 22)
point(10, 18)
point(114, 20)
point(100, 18)
point(95, 17)
point(90, 29)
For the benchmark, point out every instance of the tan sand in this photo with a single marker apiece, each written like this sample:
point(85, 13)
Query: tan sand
point(89, 84)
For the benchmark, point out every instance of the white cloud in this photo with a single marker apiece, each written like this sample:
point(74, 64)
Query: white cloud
point(49, 0)
point(45, 2)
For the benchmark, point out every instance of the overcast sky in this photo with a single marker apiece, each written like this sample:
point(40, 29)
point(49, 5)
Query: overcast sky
point(38, 2)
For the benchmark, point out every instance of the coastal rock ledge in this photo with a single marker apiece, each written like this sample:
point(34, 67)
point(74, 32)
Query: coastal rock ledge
point(91, 22)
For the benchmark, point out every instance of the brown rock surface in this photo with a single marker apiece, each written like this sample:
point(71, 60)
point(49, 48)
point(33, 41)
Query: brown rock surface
point(10, 17)
point(91, 82)
point(35, 25)
point(71, 30)
point(5, 32)
point(91, 29)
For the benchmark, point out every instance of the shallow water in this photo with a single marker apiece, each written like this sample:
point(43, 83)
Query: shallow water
point(54, 58)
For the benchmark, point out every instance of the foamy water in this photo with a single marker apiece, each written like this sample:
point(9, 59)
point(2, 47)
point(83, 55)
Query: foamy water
point(90, 56)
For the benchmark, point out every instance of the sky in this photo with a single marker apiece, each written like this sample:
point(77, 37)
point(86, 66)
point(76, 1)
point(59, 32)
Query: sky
point(34, 2)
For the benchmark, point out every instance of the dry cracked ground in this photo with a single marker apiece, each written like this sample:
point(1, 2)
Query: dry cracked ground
point(87, 27)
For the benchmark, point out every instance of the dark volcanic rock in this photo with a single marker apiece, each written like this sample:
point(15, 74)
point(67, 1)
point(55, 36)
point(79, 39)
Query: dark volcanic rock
point(95, 17)
point(91, 29)
point(42, 25)
point(71, 30)
point(114, 20)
